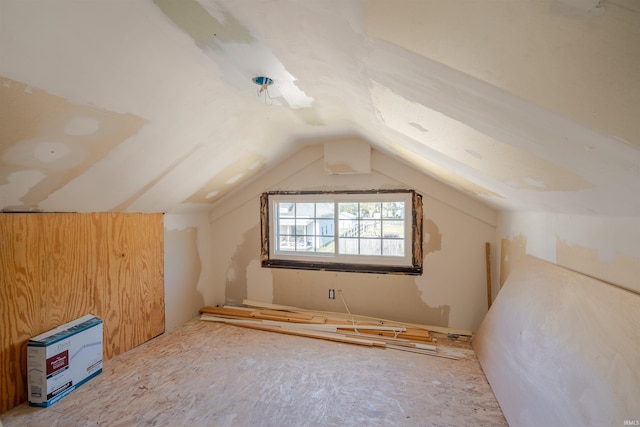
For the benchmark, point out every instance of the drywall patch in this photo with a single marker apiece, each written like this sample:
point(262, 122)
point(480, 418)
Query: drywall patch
point(207, 31)
point(52, 138)
point(309, 116)
point(248, 251)
point(432, 239)
point(81, 126)
point(259, 282)
point(387, 296)
point(620, 270)
point(19, 184)
point(514, 166)
point(182, 274)
point(236, 173)
point(125, 205)
point(344, 157)
point(511, 251)
point(440, 172)
point(236, 52)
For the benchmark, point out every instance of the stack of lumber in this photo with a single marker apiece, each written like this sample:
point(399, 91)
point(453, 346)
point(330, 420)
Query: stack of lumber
point(339, 327)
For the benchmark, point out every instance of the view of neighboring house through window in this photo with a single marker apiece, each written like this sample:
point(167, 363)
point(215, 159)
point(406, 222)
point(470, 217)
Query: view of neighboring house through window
point(349, 231)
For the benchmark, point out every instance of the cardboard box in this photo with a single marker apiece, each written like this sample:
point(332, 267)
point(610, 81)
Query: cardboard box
point(62, 359)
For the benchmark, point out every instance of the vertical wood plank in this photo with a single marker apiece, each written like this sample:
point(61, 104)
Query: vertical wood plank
point(19, 302)
point(487, 249)
point(133, 271)
point(68, 294)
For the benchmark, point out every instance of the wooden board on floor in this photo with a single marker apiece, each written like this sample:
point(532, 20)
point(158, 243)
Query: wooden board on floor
point(343, 316)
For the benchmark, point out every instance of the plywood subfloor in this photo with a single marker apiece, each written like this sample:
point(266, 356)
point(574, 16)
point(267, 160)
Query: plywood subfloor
point(211, 374)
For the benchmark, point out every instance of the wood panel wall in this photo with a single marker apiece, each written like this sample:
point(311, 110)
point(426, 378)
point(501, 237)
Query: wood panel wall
point(57, 267)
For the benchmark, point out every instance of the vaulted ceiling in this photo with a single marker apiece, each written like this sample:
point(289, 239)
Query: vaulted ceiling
point(149, 105)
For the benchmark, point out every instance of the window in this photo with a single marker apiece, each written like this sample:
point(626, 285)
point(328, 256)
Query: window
point(360, 231)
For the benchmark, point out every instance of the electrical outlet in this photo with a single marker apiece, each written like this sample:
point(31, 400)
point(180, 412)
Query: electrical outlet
point(332, 294)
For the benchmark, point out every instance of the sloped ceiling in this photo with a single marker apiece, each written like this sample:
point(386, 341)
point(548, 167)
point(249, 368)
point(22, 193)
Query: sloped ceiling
point(149, 105)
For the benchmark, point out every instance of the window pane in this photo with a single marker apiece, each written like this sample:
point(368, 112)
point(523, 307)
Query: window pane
point(305, 243)
point(370, 228)
point(370, 210)
point(326, 244)
point(370, 247)
point(349, 210)
point(304, 226)
point(301, 243)
point(393, 210)
point(286, 210)
point(348, 246)
point(393, 229)
point(305, 210)
point(325, 210)
point(392, 247)
point(285, 228)
point(286, 243)
point(325, 227)
point(348, 228)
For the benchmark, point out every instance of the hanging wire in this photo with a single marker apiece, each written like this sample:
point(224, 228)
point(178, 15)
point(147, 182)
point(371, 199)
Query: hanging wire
point(396, 333)
point(264, 83)
point(353, 322)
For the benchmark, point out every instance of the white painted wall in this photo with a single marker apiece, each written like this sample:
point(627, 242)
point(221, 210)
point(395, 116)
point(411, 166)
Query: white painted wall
point(188, 273)
point(452, 289)
point(607, 248)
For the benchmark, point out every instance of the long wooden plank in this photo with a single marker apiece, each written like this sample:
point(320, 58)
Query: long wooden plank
point(329, 315)
point(306, 326)
point(487, 246)
point(288, 315)
point(226, 311)
point(396, 341)
point(313, 319)
point(307, 334)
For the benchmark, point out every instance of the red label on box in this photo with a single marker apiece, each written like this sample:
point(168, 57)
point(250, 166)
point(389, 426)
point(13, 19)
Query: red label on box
point(58, 362)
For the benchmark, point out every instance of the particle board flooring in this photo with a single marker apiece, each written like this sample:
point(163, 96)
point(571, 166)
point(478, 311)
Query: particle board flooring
point(213, 374)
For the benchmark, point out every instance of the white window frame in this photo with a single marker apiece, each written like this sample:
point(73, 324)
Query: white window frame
point(409, 263)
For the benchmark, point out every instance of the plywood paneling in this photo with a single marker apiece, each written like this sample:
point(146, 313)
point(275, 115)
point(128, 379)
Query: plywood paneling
point(57, 267)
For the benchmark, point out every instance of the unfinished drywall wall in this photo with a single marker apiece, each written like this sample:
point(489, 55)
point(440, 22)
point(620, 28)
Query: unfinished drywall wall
point(560, 349)
point(187, 267)
point(606, 248)
point(451, 291)
point(503, 29)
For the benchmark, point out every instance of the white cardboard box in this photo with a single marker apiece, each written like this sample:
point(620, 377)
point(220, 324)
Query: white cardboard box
point(62, 359)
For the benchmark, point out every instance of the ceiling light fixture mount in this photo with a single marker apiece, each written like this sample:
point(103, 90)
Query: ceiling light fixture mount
point(264, 83)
